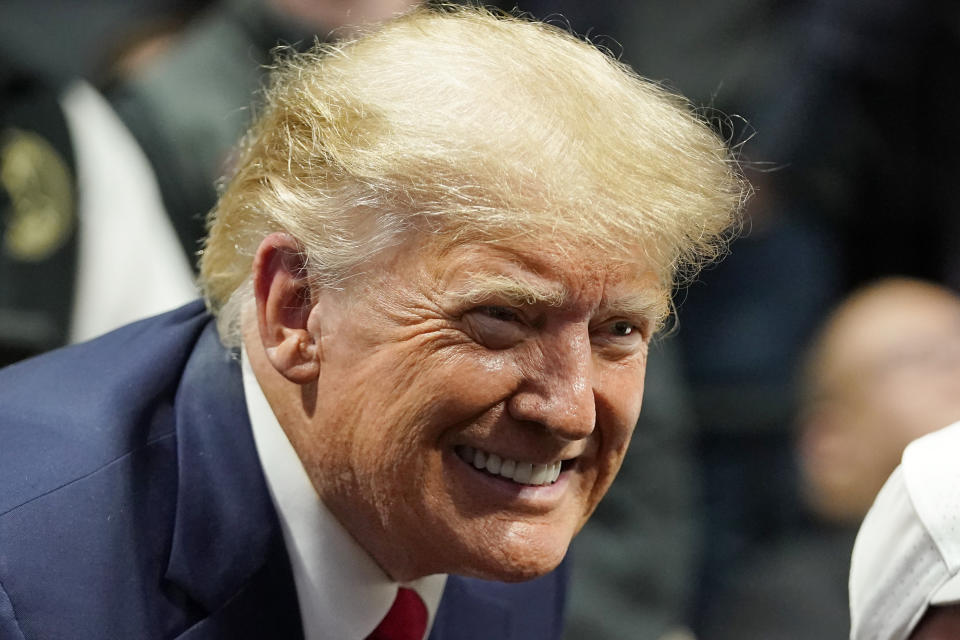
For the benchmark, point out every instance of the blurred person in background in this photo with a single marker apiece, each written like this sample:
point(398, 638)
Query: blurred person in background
point(883, 370)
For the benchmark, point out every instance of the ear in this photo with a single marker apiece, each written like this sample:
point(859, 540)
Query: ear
point(284, 303)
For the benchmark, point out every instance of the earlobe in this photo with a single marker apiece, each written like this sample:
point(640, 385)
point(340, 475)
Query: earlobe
point(284, 305)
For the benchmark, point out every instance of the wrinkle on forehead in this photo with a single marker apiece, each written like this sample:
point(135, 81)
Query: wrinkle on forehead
point(645, 301)
point(546, 278)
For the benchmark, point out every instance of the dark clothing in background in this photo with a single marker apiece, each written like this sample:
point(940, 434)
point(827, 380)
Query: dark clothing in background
point(792, 588)
point(38, 219)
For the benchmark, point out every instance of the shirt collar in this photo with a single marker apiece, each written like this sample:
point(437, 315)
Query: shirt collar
point(343, 593)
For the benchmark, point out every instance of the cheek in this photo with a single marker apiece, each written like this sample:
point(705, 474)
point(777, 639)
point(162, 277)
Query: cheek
point(619, 400)
point(399, 434)
point(597, 478)
point(462, 387)
point(613, 452)
point(618, 407)
point(526, 549)
point(625, 380)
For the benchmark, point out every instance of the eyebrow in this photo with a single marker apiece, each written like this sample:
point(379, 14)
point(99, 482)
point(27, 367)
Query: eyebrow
point(482, 286)
point(648, 303)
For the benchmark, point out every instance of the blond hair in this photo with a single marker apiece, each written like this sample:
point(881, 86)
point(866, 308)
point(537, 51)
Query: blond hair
point(477, 127)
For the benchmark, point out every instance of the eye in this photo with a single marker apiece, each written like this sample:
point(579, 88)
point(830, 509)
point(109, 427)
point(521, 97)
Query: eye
point(622, 328)
point(618, 329)
point(504, 314)
point(620, 337)
point(495, 327)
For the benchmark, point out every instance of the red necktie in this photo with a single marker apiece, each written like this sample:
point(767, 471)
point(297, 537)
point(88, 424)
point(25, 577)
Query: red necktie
point(406, 620)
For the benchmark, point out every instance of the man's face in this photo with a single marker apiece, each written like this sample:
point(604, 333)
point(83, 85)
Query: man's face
point(435, 362)
point(892, 374)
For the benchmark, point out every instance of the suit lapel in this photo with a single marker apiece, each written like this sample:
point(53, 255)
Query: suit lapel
point(264, 607)
point(227, 544)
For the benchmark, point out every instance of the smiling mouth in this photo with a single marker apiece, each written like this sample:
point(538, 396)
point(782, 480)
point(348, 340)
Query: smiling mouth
point(526, 473)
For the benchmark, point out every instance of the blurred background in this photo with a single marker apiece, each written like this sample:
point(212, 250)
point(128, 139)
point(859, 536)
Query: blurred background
point(798, 369)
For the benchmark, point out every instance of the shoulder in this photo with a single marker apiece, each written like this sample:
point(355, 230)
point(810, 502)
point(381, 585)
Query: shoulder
point(69, 412)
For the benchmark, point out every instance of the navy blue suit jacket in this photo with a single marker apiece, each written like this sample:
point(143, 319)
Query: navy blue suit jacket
point(132, 503)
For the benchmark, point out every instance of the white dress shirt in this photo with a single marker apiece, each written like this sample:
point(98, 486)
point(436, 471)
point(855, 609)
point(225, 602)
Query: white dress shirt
point(343, 593)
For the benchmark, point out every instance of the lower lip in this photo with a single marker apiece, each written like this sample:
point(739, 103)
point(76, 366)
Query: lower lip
point(543, 496)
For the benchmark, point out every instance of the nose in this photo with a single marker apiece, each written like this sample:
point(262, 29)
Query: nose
point(557, 390)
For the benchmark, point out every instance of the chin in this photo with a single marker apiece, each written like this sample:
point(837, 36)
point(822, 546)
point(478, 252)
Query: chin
point(516, 562)
point(529, 573)
point(514, 572)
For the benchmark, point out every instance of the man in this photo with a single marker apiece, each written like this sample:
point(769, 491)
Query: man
point(884, 370)
point(441, 258)
point(905, 571)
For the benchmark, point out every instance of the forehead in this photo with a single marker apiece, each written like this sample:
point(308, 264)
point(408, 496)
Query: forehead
point(892, 322)
point(545, 274)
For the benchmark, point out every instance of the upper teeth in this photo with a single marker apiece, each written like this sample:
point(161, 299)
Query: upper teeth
point(521, 472)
